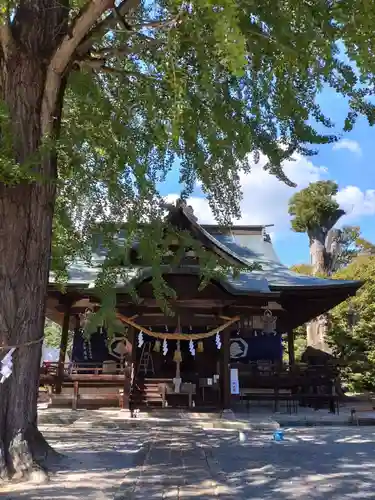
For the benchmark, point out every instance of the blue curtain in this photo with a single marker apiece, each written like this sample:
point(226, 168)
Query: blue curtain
point(259, 346)
point(93, 350)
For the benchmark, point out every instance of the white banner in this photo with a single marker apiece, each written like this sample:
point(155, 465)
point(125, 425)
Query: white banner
point(234, 382)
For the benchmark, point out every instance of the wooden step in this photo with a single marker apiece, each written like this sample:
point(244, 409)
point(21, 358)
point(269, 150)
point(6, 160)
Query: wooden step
point(146, 400)
point(153, 395)
point(156, 380)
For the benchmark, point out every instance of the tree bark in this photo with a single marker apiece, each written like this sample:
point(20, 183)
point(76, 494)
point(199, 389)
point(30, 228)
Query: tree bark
point(318, 256)
point(26, 212)
point(36, 52)
point(317, 329)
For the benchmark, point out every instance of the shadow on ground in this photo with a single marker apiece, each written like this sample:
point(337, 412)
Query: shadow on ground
point(184, 462)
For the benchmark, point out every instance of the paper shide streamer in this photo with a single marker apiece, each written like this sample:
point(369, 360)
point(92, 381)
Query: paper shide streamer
point(7, 365)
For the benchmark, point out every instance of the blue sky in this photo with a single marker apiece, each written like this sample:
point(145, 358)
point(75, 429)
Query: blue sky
point(347, 168)
point(350, 163)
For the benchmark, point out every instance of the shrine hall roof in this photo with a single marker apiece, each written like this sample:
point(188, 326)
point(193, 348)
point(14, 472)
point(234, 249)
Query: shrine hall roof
point(241, 245)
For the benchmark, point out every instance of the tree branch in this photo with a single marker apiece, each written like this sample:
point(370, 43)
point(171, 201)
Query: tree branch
point(173, 21)
point(104, 52)
point(63, 57)
point(108, 22)
point(122, 50)
point(6, 38)
point(100, 66)
point(121, 20)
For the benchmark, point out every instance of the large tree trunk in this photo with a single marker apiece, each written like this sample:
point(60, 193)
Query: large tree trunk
point(318, 256)
point(26, 212)
point(317, 329)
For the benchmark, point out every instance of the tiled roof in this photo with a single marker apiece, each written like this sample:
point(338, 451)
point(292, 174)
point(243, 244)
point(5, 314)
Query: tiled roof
point(246, 248)
point(258, 248)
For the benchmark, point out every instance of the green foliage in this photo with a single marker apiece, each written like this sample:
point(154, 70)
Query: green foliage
point(305, 269)
point(52, 334)
point(350, 245)
point(300, 344)
point(315, 207)
point(196, 86)
point(356, 344)
point(365, 247)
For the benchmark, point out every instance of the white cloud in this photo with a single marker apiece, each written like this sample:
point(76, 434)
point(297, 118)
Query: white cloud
point(349, 144)
point(355, 202)
point(265, 198)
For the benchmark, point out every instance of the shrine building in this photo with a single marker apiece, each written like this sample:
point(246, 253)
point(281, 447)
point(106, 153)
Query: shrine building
point(233, 339)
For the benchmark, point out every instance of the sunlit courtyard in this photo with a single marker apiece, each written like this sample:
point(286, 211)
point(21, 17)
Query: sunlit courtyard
point(108, 457)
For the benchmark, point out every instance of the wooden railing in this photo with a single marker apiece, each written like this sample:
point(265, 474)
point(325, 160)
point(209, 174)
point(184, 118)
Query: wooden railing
point(283, 376)
point(281, 368)
point(80, 375)
point(55, 373)
point(88, 367)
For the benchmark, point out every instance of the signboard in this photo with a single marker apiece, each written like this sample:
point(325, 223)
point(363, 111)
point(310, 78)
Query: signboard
point(234, 382)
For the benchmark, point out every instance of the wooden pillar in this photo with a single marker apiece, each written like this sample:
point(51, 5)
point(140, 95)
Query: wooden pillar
point(132, 338)
point(63, 347)
point(291, 354)
point(225, 373)
point(75, 395)
point(129, 371)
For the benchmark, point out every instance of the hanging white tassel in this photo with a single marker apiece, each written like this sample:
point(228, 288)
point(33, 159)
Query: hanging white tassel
point(165, 347)
point(218, 340)
point(192, 347)
point(87, 350)
point(140, 339)
point(7, 365)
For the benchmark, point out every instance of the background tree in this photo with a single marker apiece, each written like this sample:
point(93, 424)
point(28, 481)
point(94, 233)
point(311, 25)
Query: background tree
point(352, 251)
point(117, 91)
point(353, 323)
point(305, 269)
point(349, 244)
point(315, 211)
point(52, 334)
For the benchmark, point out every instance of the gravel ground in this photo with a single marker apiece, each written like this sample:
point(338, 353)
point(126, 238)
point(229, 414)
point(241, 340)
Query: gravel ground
point(96, 462)
point(107, 462)
point(311, 463)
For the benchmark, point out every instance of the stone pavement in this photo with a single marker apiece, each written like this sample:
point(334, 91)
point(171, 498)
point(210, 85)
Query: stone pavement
point(178, 464)
point(112, 457)
point(313, 464)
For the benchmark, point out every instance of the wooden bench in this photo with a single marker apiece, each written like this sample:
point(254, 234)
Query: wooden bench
point(114, 395)
point(187, 390)
point(275, 397)
point(333, 400)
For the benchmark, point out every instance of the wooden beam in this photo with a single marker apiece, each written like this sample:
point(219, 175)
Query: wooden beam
point(75, 395)
point(301, 311)
point(291, 353)
point(159, 320)
point(195, 300)
point(226, 369)
point(190, 303)
point(130, 380)
point(63, 347)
